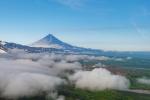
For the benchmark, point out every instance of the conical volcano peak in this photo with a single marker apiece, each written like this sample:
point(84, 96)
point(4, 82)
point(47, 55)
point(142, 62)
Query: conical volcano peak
point(50, 41)
point(49, 37)
point(50, 44)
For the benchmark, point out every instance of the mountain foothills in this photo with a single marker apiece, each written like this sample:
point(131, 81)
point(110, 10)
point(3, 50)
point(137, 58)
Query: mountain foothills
point(51, 44)
point(2, 49)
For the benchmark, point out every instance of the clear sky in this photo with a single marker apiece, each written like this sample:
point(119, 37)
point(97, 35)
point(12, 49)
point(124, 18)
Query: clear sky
point(103, 24)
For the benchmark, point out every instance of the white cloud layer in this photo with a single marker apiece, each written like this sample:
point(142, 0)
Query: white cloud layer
point(28, 74)
point(24, 74)
point(99, 79)
point(144, 80)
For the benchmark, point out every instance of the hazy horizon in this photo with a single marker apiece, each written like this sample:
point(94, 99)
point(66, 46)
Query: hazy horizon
point(109, 25)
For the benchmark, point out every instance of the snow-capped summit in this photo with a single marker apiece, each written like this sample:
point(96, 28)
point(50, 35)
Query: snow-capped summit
point(51, 44)
point(50, 41)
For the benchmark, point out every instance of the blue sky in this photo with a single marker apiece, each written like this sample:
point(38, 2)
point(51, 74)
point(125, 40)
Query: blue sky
point(103, 24)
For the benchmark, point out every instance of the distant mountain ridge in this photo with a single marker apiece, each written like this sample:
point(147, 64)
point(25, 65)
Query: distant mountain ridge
point(51, 44)
point(2, 48)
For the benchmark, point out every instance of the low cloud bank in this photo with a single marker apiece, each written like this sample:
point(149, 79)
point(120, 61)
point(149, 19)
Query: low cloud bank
point(144, 80)
point(24, 74)
point(85, 57)
point(29, 74)
point(29, 84)
point(99, 79)
point(98, 65)
point(55, 96)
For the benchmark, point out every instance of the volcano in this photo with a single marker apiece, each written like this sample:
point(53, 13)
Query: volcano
point(51, 41)
point(51, 44)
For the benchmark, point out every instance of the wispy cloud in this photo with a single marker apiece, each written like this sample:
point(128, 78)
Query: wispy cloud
point(75, 4)
point(142, 32)
point(145, 11)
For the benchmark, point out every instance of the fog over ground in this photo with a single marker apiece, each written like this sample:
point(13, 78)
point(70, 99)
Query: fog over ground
point(28, 74)
point(144, 80)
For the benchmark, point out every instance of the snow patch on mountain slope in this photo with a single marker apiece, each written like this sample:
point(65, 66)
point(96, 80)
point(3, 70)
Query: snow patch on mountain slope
point(47, 46)
point(48, 42)
point(2, 51)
